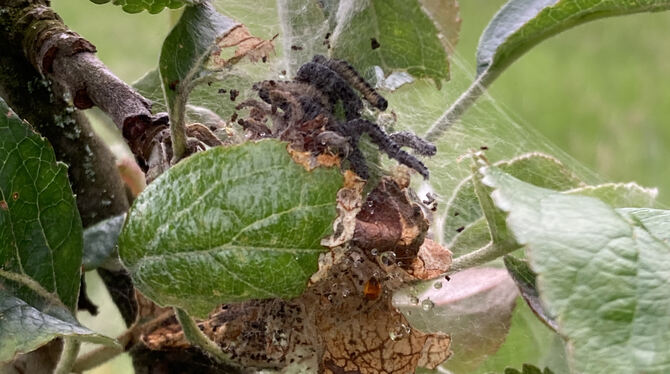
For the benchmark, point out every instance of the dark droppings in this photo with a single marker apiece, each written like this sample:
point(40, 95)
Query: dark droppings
point(374, 44)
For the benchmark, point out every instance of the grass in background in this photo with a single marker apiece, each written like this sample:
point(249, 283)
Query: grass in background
point(595, 91)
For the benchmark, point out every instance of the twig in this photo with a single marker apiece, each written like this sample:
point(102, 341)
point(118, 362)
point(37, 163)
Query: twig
point(69, 60)
point(69, 355)
point(126, 341)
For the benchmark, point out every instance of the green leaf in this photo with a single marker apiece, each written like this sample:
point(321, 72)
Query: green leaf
point(152, 6)
point(229, 224)
point(521, 24)
point(408, 39)
point(600, 273)
point(657, 221)
point(185, 52)
point(40, 228)
point(619, 194)
point(100, 243)
point(525, 279)
point(535, 168)
point(24, 328)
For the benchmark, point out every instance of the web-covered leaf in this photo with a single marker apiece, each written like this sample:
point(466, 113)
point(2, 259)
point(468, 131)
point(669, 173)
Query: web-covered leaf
point(599, 272)
point(152, 6)
point(394, 35)
point(40, 228)
point(24, 328)
point(185, 53)
point(473, 306)
point(229, 224)
point(464, 208)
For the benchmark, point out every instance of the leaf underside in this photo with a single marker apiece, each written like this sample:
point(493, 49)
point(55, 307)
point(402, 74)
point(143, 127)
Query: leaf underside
point(600, 272)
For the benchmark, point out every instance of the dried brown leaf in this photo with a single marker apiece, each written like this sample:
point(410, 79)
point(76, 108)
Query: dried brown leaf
point(245, 44)
point(390, 221)
point(432, 261)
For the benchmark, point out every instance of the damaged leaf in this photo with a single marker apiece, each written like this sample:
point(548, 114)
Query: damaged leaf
point(332, 328)
point(528, 369)
point(152, 6)
point(245, 45)
point(446, 18)
point(229, 224)
point(389, 221)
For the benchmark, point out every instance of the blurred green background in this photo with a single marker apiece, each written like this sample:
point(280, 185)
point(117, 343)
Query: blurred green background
point(596, 91)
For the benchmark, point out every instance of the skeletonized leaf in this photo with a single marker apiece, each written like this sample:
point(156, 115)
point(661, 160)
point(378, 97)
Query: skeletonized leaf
point(40, 228)
point(600, 273)
point(24, 328)
point(521, 24)
point(229, 224)
point(445, 16)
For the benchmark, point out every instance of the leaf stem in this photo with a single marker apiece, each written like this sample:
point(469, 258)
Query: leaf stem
point(69, 355)
point(479, 257)
point(33, 286)
point(196, 337)
point(178, 126)
point(462, 104)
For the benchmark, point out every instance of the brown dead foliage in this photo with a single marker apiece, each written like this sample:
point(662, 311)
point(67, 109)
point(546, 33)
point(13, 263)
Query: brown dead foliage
point(344, 322)
point(390, 221)
point(245, 44)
